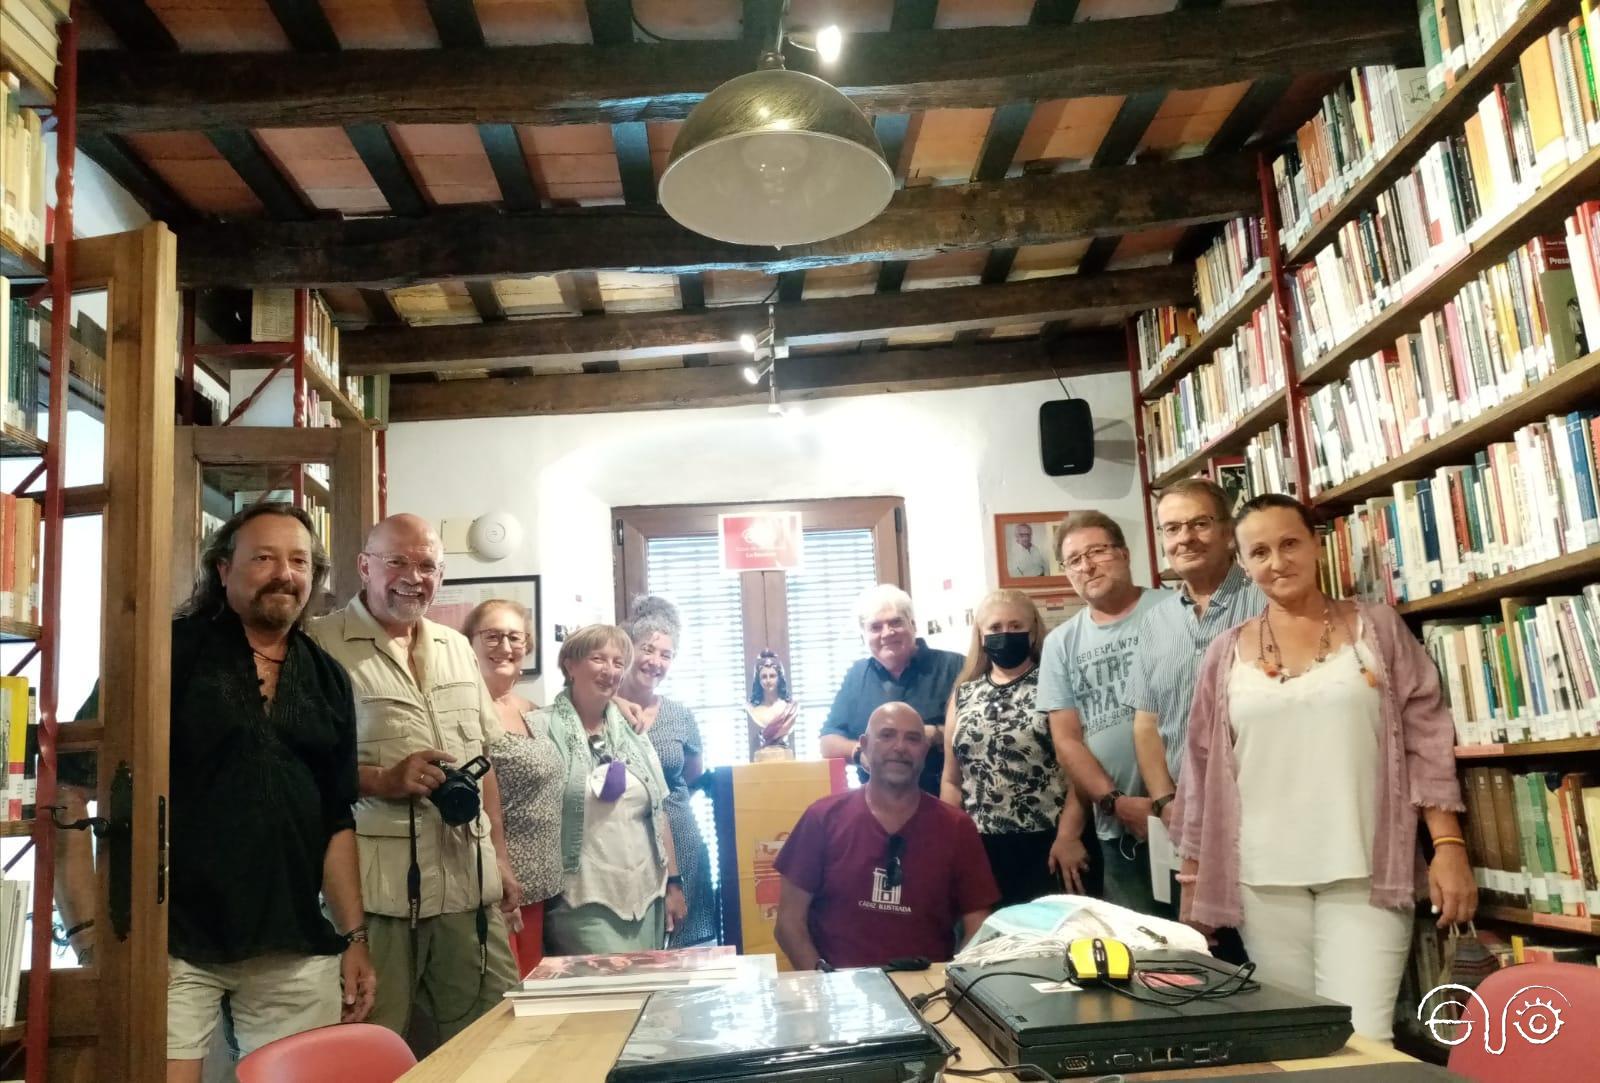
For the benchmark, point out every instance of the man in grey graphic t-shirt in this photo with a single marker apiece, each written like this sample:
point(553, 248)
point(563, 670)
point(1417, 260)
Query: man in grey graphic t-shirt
point(1085, 665)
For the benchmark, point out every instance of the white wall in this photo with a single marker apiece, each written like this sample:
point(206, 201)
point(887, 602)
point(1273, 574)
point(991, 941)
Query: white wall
point(955, 457)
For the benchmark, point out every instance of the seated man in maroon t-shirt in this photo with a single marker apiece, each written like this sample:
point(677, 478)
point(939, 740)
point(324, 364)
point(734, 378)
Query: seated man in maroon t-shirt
point(884, 872)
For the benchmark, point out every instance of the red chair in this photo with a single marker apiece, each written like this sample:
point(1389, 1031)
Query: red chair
point(348, 1052)
point(1540, 1024)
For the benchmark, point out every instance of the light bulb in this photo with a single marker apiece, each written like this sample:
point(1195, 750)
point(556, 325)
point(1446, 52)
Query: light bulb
point(751, 374)
point(747, 342)
point(776, 158)
point(830, 42)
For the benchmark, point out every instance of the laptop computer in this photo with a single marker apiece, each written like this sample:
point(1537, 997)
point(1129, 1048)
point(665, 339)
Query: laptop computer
point(848, 1026)
point(1026, 1012)
point(1401, 1071)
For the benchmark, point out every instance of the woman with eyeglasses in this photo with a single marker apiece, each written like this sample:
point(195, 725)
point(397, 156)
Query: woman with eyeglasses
point(1000, 763)
point(525, 761)
point(770, 711)
point(675, 735)
point(620, 889)
point(1317, 746)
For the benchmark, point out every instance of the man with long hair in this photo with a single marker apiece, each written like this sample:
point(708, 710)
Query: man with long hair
point(263, 778)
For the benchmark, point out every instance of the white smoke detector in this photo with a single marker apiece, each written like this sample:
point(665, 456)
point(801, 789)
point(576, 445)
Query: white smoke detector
point(494, 536)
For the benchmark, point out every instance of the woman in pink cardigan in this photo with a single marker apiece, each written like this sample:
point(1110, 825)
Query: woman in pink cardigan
point(1317, 740)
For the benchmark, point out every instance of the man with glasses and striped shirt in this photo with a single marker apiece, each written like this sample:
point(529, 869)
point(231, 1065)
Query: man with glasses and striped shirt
point(1195, 522)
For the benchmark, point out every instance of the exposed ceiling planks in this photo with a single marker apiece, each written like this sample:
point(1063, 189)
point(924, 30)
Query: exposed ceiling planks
point(811, 377)
point(834, 321)
point(883, 72)
point(920, 221)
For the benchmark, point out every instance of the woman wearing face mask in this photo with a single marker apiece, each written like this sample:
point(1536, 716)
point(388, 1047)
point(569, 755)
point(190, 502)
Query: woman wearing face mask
point(1000, 764)
point(674, 734)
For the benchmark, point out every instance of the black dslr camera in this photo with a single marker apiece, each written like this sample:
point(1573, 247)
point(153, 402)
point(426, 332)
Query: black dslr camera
point(457, 797)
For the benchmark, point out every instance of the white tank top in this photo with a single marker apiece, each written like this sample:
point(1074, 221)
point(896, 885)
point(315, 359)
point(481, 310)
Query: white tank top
point(1306, 752)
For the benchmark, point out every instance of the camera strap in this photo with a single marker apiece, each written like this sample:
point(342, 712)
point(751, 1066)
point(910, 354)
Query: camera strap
point(414, 906)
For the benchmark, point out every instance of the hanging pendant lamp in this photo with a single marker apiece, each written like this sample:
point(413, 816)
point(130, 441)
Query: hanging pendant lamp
point(775, 157)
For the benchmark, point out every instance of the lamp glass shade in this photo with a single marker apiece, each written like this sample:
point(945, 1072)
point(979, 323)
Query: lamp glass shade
point(775, 157)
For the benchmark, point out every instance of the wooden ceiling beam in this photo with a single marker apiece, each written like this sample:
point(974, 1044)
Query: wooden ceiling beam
point(886, 72)
point(837, 321)
point(477, 243)
point(801, 378)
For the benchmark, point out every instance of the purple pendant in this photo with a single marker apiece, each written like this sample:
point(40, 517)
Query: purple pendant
point(616, 781)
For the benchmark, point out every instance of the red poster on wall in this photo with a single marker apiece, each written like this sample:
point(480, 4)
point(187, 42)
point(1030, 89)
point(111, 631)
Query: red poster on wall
point(760, 541)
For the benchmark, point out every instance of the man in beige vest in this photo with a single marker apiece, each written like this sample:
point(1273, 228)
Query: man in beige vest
point(420, 702)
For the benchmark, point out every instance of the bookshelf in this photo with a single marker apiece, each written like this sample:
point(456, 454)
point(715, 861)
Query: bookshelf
point(1448, 113)
point(1544, 211)
point(1567, 388)
point(1584, 564)
point(1516, 915)
point(1516, 749)
point(1272, 411)
point(1208, 341)
point(18, 264)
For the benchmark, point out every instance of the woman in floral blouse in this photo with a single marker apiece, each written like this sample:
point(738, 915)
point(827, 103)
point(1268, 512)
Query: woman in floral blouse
point(1000, 765)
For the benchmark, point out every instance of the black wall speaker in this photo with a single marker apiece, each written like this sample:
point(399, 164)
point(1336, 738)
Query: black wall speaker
point(1066, 437)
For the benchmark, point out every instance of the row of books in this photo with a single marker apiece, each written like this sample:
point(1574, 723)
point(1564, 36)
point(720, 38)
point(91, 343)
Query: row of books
point(19, 720)
point(22, 154)
point(15, 904)
point(1268, 463)
point(1162, 334)
point(1531, 675)
point(1359, 121)
point(321, 521)
point(1508, 328)
point(30, 39)
point(1521, 502)
point(1524, 135)
point(1531, 838)
point(272, 320)
point(1456, 34)
point(1211, 399)
point(22, 341)
point(1229, 268)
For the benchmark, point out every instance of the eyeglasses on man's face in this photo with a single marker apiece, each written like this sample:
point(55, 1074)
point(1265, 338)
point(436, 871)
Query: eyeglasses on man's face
point(1200, 524)
point(493, 637)
point(397, 564)
point(1095, 554)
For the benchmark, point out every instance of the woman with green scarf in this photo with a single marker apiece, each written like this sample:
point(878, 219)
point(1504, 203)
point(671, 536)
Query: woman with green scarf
point(620, 887)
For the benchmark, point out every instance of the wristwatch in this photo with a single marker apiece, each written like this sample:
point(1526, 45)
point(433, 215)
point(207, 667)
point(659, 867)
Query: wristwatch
point(675, 881)
point(1108, 803)
point(1160, 803)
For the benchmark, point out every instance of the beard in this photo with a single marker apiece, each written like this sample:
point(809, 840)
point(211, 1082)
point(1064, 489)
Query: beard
point(276, 606)
point(407, 608)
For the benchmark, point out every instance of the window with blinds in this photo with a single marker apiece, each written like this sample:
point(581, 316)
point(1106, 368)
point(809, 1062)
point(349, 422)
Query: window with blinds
point(824, 638)
point(708, 673)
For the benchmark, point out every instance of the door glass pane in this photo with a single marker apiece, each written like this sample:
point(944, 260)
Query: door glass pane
point(824, 638)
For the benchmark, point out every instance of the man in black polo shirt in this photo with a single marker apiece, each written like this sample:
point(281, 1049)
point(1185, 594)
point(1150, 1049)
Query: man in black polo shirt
point(262, 781)
point(901, 668)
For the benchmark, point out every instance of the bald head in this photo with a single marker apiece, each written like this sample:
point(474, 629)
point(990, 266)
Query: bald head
point(894, 746)
point(401, 567)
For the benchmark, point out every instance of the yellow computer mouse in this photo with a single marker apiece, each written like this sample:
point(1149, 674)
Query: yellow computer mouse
point(1094, 959)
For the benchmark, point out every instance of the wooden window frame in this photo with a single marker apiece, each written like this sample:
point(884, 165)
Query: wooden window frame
point(763, 593)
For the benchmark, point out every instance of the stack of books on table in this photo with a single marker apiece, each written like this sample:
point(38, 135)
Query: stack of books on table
point(569, 984)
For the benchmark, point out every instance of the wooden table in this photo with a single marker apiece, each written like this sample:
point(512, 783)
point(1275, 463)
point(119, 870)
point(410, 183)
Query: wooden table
point(500, 1048)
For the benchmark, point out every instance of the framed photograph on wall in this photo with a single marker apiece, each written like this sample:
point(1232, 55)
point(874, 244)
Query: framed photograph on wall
point(1026, 552)
point(456, 598)
point(1233, 474)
